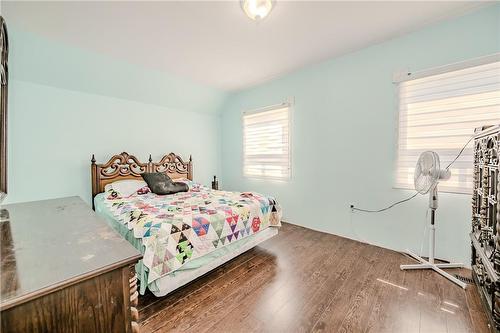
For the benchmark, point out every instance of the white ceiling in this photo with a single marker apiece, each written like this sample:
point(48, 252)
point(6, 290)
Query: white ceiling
point(214, 43)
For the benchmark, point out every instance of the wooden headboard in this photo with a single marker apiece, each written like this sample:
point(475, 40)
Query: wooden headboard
point(125, 166)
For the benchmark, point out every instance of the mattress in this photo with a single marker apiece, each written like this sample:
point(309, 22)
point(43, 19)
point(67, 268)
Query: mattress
point(190, 269)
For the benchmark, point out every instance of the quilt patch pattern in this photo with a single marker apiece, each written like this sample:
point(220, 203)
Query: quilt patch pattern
point(180, 227)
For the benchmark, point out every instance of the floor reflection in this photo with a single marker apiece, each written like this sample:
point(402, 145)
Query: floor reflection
point(393, 284)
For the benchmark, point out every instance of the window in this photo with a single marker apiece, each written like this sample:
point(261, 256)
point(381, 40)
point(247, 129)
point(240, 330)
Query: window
point(266, 143)
point(440, 112)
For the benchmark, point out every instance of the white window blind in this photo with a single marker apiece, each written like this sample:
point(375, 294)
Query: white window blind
point(266, 143)
point(440, 112)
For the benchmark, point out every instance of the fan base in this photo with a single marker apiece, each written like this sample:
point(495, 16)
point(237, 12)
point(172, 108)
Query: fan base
point(424, 264)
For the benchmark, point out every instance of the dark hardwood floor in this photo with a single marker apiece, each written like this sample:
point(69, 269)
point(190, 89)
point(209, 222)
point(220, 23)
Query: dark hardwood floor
point(303, 280)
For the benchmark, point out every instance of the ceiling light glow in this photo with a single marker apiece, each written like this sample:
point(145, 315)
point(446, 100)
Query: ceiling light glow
point(257, 9)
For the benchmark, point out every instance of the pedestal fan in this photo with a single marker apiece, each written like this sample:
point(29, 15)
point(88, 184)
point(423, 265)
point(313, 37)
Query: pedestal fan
point(427, 176)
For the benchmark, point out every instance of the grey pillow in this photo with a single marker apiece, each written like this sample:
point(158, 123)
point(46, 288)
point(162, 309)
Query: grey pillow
point(161, 184)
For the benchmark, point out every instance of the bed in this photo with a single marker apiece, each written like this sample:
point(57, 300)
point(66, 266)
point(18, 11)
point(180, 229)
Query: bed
point(184, 235)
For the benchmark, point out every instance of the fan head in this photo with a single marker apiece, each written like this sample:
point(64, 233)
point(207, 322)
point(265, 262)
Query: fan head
point(428, 172)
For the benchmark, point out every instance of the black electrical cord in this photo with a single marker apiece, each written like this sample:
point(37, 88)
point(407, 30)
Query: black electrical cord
point(384, 209)
point(414, 195)
point(460, 153)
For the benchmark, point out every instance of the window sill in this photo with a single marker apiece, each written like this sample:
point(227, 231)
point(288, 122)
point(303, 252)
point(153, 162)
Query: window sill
point(271, 179)
point(439, 190)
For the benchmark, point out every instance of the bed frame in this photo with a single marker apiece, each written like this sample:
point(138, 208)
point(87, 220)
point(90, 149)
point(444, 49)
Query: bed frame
point(126, 166)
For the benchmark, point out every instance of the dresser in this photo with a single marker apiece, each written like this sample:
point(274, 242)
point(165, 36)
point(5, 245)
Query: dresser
point(63, 269)
point(485, 235)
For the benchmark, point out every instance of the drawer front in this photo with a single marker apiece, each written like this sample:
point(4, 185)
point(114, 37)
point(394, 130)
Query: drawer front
point(93, 305)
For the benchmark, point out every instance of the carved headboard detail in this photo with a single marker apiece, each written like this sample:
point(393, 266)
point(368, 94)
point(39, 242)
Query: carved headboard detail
point(173, 164)
point(126, 166)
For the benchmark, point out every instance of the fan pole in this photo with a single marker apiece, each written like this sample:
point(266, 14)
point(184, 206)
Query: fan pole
point(433, 205)
point(429, 264)
point(432, 236)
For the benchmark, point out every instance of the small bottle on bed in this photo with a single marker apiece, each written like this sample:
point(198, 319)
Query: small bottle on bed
point(215, 183)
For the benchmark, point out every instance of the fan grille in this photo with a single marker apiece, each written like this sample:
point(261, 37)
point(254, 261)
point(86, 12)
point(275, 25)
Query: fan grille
point(426, 171)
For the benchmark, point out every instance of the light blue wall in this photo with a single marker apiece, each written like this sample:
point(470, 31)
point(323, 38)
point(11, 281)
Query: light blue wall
point(66, 103)
point(343, 138)
point(43, 61)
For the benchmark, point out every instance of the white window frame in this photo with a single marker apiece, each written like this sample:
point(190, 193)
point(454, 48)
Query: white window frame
point(288, 104)
point(401, 77)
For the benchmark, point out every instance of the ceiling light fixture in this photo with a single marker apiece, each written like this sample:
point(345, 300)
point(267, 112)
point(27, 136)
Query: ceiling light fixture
point(257, 9)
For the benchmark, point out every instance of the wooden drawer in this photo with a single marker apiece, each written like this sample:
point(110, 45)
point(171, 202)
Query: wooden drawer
point(98, 304)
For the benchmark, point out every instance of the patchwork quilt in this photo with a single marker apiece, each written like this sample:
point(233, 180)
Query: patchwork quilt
point(180, 227)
